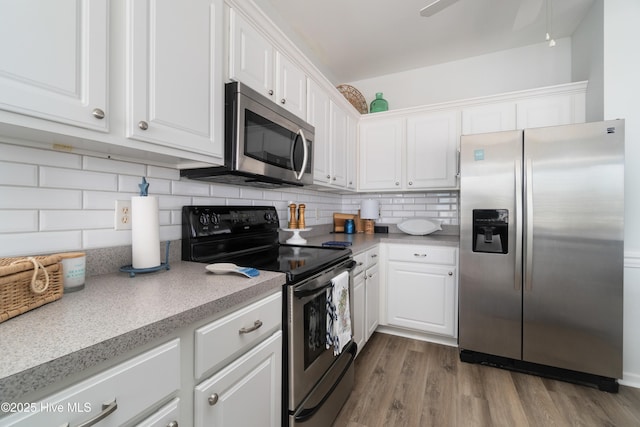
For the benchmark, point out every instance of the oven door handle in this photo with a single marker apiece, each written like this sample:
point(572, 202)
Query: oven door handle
point(309, 412)
point(308, 292)
point(302, 293)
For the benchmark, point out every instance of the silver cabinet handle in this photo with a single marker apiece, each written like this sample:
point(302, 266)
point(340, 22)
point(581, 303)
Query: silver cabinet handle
point(451, 273)
point(334, 178)
point(213, 399)
point(98, 113)
point(283, 101)
point(107, 409)
point(270, 91)
point(173, 424)
point(410, 182)
point(374, 255)
point(420, 255)
point(143, 125)
point(328, 176)
point(256, 325)
point(360, 263)
point(397, 183)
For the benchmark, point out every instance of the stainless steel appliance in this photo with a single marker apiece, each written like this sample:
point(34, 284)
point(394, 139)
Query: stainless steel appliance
point(315, 382)
point(265, 145)
point(541, 251)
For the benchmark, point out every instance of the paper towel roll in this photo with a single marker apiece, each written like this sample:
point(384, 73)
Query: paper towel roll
point(145, 232)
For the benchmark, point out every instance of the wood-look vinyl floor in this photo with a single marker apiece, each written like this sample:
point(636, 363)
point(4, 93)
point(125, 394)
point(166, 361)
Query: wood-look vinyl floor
point(404, 382)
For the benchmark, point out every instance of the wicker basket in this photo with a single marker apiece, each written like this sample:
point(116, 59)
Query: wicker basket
point(20, 291)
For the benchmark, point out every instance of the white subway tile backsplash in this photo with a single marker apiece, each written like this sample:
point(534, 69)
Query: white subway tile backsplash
point(164, 173)
point(75, 219)
point(115, 166)
point(39, 198)
point(18, 174)
point(190, 188)
point(71, 178)
point(18, 221)
point(105, 238)
point(43, 242)
point(77, 213)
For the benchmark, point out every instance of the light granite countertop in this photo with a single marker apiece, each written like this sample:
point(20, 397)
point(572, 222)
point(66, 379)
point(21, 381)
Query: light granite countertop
point(112, 315)
point(361, 242)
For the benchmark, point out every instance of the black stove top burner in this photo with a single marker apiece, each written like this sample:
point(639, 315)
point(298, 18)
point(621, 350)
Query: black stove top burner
point(248, 236)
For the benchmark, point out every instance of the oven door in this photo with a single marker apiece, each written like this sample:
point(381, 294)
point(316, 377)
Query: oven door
point(309, 359)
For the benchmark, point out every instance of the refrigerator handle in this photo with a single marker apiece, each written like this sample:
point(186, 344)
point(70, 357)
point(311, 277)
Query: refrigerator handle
point(518, 224)
point(528, 265)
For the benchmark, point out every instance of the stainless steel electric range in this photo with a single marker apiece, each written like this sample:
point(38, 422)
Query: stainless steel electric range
point(315, 382)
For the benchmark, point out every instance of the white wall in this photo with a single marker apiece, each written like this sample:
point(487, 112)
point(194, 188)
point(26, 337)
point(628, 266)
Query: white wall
point(621, 90)
point(587, 60)
point(506, 71)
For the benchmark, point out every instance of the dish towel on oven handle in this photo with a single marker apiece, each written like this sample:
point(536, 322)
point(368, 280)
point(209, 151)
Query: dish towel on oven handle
point(338, 313)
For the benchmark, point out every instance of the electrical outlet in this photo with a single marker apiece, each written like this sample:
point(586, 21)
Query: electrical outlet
point(122, 220)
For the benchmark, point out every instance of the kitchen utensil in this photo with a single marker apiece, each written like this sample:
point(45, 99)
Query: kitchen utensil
point(227, 267)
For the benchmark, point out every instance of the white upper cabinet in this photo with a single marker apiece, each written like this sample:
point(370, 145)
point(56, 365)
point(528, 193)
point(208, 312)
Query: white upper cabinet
point(318, 117)
point(432, 145)
point(175, 86)
point(489, 118)
point(254, 61)
point(381, 150)
point(338, 128)
point(250, 56)
point(53, 60)
point(352, 152)
point(550, 111)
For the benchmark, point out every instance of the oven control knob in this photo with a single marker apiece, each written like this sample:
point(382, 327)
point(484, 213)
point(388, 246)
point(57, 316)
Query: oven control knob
point(268, 216)
point(215, 219)
point(204, 219)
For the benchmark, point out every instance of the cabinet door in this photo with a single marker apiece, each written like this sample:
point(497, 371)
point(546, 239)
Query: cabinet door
point(250, 57)
point(245, 393)
point(175, 72)
point(432, 144)
point(489, 118)
point(372, 295)
point(359, 305)
point(352, 152)
point(291, 86)
point(318, 117)
point(421, 297)
point(381, 145)
point(54, 60)
point(545, 111)
point(338, 126)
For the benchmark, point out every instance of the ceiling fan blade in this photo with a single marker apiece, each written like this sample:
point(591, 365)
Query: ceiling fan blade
point(435, 7)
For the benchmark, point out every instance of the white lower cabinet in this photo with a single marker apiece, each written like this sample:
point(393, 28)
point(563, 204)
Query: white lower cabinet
point(167, 416)
point(421, 288)
point(247, 392)
point(118, 395)
point(366, 295)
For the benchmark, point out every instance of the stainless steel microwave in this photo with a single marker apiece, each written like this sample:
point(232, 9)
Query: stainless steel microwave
point(265, 145)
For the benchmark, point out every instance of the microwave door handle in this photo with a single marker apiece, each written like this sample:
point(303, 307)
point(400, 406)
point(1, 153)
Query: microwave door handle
point(306, 155)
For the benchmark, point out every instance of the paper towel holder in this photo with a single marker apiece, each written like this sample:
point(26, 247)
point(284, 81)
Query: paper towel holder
point(163, 266)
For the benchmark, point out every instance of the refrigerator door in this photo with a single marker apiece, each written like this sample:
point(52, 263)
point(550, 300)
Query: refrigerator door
point(573, 247)
point(490, 293)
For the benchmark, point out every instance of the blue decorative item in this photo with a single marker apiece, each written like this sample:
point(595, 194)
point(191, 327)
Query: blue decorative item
point(144, 187)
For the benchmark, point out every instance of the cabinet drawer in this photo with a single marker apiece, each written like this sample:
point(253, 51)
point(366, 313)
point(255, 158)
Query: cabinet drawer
point(373, 255)
point(135, 386)
point(361, 263)
point(234, 334)
point(423, 254)
point(163, 417)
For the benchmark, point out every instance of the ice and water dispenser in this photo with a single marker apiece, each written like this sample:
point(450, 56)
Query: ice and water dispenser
point(491, 231)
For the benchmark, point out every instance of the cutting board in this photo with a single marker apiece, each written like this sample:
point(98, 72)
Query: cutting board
point(339, 219)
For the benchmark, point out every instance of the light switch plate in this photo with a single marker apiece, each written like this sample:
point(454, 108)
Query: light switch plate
point(122, 220)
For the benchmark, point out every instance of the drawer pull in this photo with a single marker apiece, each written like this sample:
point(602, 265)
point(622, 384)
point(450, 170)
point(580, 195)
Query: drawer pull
point(173, 424)
point(374, 255)
point(420, 255)
point(213, 399)
point(257, 324)
point(107, 409)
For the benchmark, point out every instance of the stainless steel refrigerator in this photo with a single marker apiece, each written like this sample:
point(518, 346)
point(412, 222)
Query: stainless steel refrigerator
point(541, 250)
